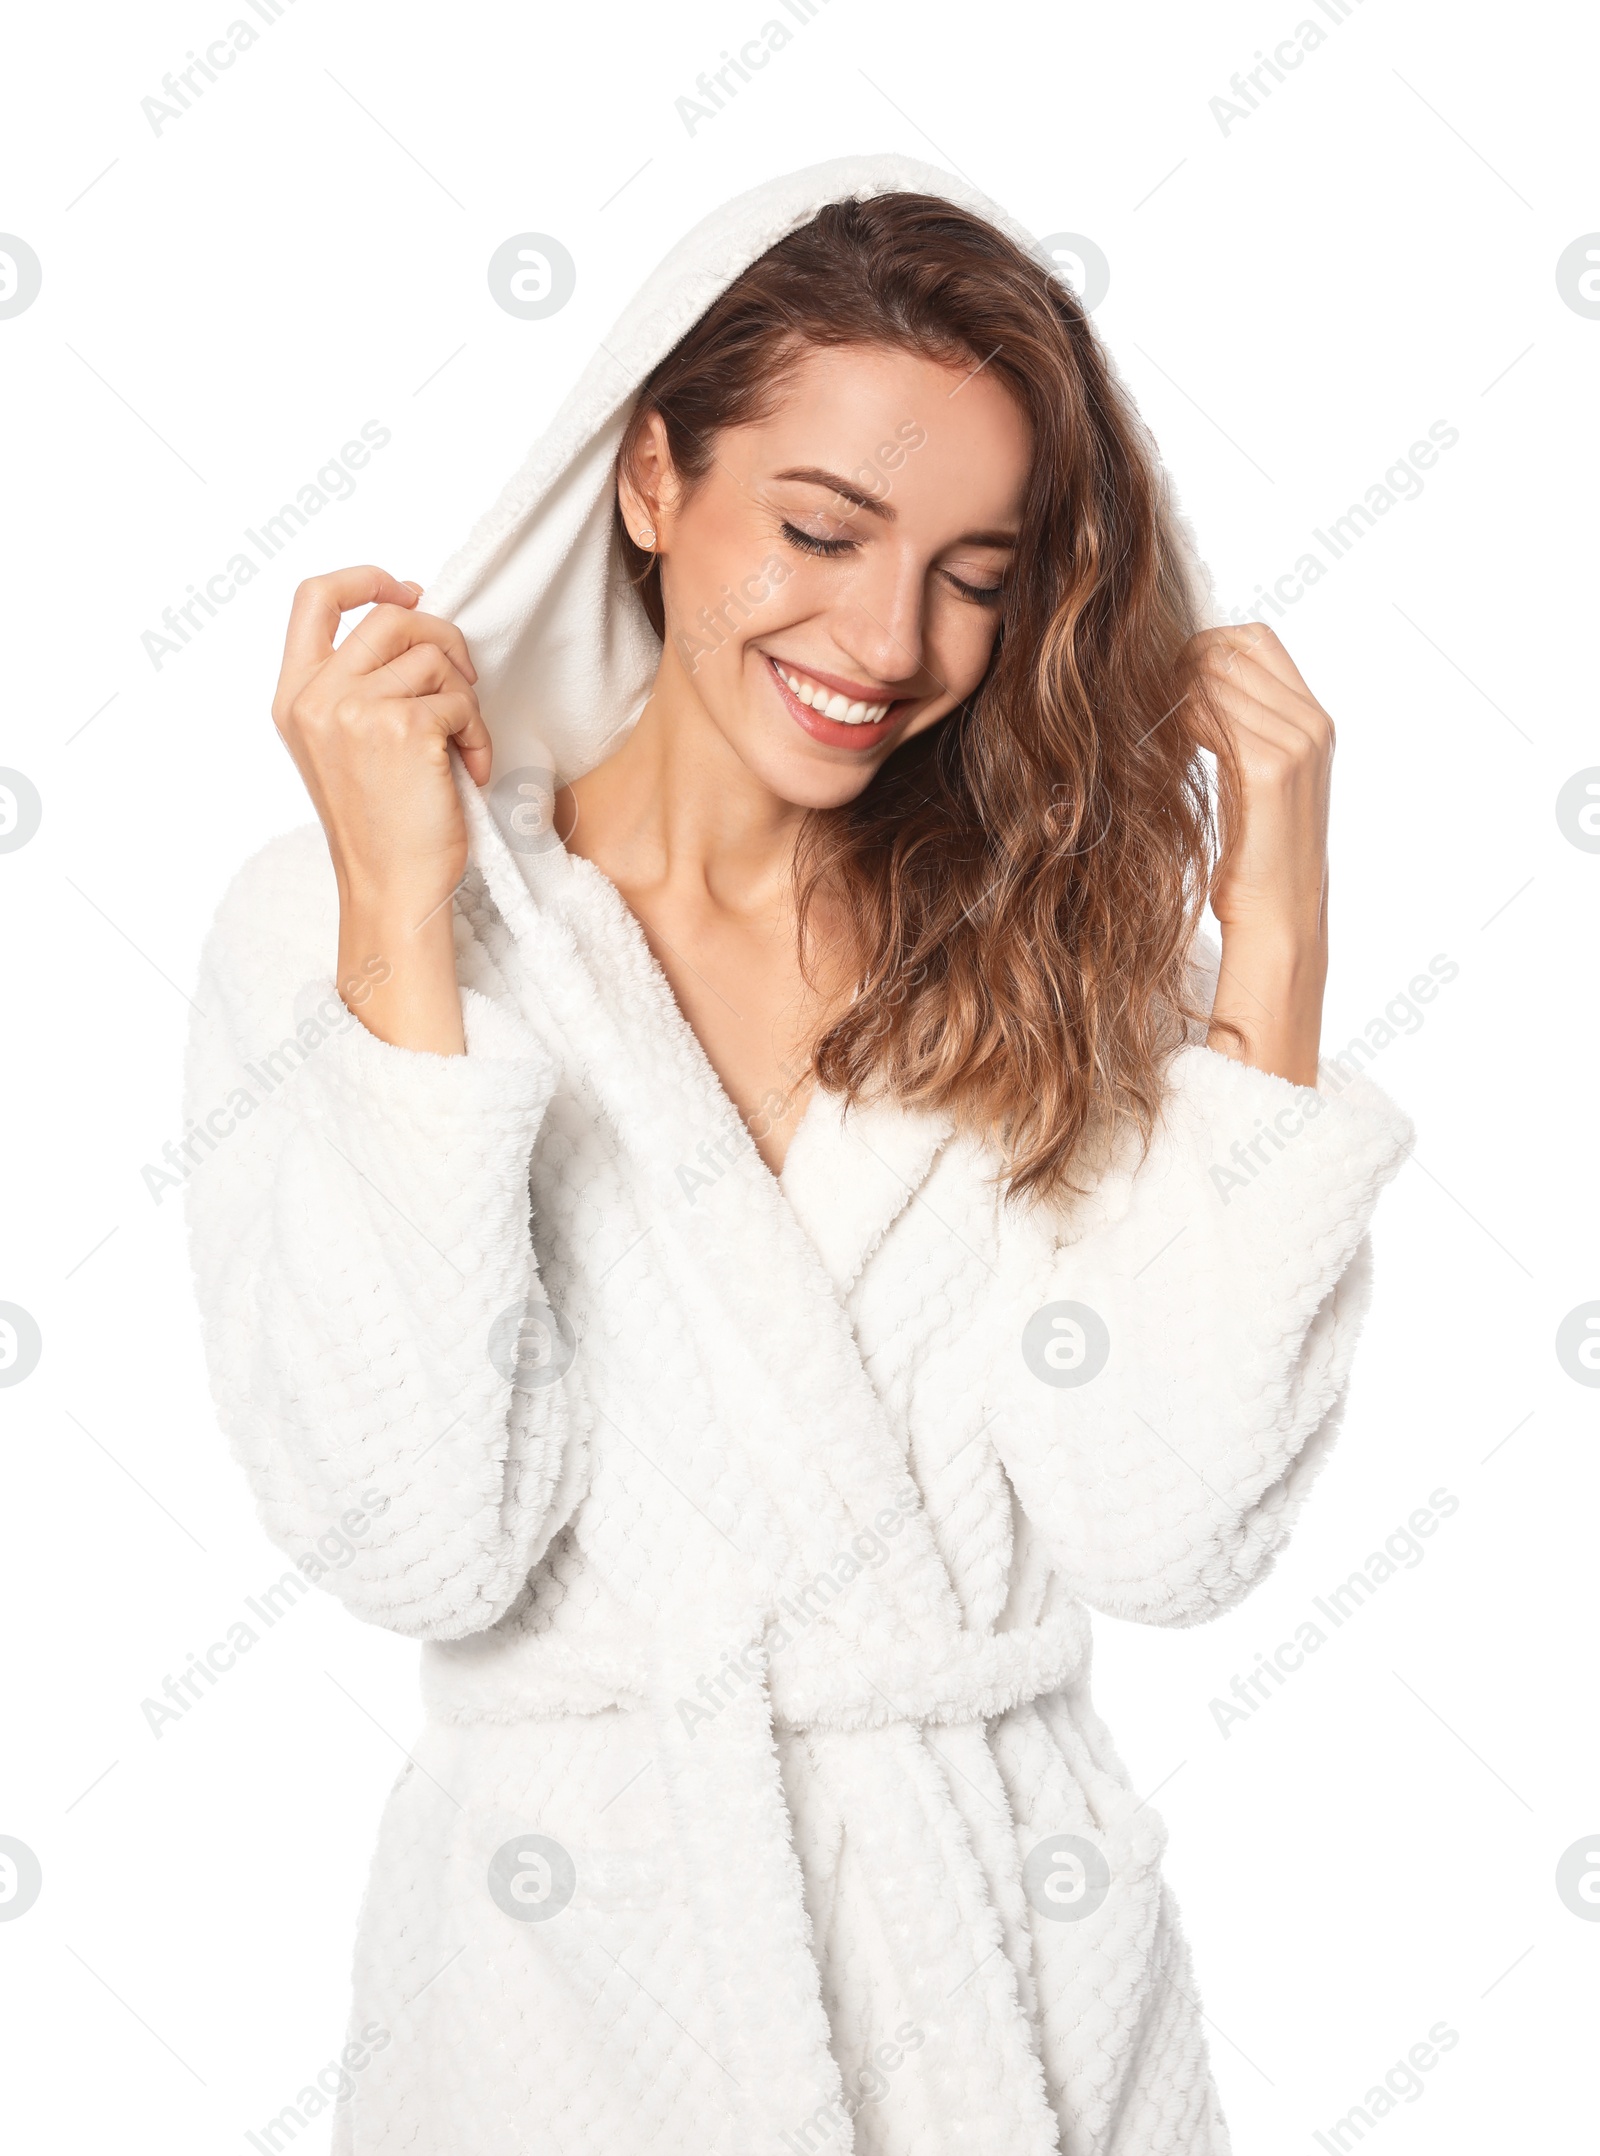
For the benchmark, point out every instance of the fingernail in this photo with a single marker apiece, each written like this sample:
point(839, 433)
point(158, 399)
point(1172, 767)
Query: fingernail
point(414, 589)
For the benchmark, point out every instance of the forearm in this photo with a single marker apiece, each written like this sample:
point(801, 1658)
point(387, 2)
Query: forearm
point(1270, 984)
point(397, 969)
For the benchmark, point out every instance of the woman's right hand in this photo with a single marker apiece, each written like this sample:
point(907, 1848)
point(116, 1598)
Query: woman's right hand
point(369, 725)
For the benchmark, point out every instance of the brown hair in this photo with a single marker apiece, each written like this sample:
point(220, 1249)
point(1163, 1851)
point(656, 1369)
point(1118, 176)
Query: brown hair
point(1022, 881)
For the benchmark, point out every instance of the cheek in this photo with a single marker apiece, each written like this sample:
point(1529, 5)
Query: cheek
point(719, 546)
point(961, 641)
point(728, 583)
point(737, 600)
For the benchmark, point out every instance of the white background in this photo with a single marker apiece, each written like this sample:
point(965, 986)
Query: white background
point(1294, 302)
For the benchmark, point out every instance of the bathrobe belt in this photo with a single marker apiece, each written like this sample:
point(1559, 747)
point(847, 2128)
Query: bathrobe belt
point(816, 1680)
point(715, 1695)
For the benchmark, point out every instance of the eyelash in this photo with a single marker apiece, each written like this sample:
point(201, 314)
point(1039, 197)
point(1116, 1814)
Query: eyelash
point(831, 549)
point(980, 594)
point(808, 543)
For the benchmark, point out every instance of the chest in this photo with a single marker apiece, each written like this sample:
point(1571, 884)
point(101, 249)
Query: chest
point(739, 986)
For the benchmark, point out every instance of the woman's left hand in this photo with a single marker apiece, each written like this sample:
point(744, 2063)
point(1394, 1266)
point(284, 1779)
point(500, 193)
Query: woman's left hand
point(1270, 891)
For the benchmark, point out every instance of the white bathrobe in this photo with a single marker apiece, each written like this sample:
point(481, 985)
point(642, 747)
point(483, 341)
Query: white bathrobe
point(750, 1524)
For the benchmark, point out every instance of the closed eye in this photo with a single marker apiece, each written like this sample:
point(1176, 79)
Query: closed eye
point(809, 543)
point(983, 594)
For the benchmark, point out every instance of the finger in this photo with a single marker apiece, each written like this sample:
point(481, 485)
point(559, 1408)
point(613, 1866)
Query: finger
point(321, 600)
point(477, 750)
point(455, 714)
point(1204, 720)
point(1227, 689)
point(1224, 676)
point(450, 699)
point(1262, 703)
point(420, 670)
point(1253, 642)
point(1269, 744)
point(1234, 659)
point(389, 630)
point(1259, 717)
point(1241, 680)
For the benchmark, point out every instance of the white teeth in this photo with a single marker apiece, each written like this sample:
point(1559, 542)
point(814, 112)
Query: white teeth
point(817, 698)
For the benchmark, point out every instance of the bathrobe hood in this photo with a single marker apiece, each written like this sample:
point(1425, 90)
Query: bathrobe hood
point(564, 651)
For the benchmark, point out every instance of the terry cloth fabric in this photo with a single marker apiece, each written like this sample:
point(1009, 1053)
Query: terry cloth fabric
point(750, 1524)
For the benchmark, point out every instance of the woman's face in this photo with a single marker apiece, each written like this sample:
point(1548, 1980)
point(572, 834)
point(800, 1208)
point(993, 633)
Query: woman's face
point(832, 586)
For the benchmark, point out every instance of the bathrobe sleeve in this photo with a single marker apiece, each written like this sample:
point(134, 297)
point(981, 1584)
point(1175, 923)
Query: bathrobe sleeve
point(1185, 1356)
point(359, 1230)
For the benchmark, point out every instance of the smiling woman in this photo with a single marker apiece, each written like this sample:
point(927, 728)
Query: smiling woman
point(882, 622)
point(953, 936)
point(752, 1256)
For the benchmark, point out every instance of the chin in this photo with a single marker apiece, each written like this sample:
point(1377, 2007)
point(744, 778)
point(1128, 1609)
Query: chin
point(806, 780)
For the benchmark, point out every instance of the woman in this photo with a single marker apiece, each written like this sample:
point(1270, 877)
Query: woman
point(775, 1212)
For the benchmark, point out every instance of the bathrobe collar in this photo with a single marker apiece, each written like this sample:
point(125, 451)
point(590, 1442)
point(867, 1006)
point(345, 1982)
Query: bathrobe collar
point(850, 1173)
point(768, 1264)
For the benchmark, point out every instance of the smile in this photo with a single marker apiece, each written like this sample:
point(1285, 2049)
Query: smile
point(828, 715)
point(817, 697)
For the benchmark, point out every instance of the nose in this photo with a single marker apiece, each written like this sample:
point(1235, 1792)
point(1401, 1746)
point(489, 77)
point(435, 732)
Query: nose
point(877, 623)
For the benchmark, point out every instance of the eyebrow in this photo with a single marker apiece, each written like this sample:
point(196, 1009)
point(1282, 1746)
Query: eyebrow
point(813, 475)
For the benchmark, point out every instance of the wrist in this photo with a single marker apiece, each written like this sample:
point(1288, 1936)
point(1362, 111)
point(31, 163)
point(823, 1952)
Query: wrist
point(397, 970)
point(1270, 985)
point(404, 894)
point(1292, 951)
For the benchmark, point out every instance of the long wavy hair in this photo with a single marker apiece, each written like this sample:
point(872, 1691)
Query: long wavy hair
point(1022, 882)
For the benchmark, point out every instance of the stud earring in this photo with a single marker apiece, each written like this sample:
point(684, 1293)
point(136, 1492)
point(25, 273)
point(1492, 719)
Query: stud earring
point(647, 537)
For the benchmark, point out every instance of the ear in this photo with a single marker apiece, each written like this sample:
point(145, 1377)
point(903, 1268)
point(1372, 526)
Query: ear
point(647, 486)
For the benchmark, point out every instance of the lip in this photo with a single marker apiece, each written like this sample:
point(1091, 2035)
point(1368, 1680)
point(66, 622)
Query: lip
point(835, 733)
